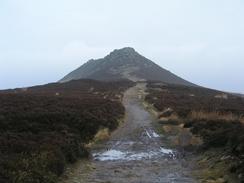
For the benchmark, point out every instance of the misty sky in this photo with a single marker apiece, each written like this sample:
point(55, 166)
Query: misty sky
point(199, 40)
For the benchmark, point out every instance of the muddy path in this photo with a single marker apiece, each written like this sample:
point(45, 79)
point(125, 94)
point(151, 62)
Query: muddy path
point(135, 153)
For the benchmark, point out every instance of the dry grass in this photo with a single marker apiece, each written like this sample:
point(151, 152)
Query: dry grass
point(102, 135)
point(242, 119)
point(174, 117)
point(201, 115)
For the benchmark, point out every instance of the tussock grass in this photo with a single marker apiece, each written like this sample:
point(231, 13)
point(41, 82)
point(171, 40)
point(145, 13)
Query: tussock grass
point(207, 116)
point(201, 115)
point(174, 117)
point(102, 135)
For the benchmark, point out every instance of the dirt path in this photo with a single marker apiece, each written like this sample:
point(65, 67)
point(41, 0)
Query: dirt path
point(135, 153)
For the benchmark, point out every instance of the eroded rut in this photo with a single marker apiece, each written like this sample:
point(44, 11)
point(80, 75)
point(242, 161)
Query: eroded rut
point(135, 153)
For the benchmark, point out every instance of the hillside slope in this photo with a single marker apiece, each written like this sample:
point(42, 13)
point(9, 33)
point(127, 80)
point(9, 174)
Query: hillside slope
point(124, 63)
point(44, 128)
point(215, 116)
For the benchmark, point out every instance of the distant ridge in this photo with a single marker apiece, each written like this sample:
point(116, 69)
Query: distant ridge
point(124, 63)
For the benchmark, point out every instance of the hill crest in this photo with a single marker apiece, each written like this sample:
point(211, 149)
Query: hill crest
point(124, 63)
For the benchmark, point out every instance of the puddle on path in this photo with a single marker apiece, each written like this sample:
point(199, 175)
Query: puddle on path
point(117, 154)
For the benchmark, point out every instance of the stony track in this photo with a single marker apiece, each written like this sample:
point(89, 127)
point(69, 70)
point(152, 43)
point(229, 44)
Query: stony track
point(135, 153)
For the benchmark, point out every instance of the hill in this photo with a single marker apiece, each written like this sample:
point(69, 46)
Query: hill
point(124, 63)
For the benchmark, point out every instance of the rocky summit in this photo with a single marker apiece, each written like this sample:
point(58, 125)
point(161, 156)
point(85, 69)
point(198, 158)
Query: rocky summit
point(124, 63)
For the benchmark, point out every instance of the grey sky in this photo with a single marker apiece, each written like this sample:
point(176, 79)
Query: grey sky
point(199, 40)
